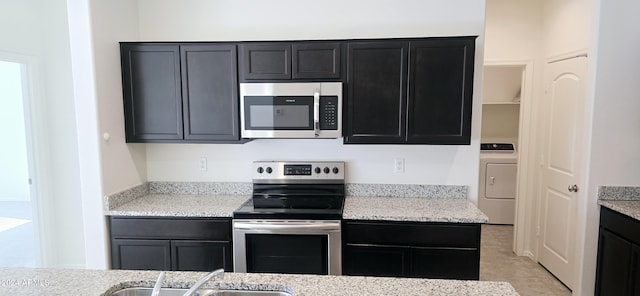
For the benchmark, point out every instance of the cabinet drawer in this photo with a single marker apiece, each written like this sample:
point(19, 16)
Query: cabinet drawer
point(620, 224)
point(170, 228)
point(412, 234)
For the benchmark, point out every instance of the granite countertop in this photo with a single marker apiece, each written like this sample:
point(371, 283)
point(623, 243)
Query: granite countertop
point(20, 281)
point(176, 205)
point(630, 208)
point(415, 209)
point(622, 199)
point(412, 203)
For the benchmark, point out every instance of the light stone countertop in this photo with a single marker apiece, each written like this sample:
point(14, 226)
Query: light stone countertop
point(172, 205)
point(413, 209)
point(622, 199)
point(630, 208)
point(20, 281)
point(410, 209)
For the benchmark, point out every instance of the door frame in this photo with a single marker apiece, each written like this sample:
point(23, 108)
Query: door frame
point(526, 157)
point(32, 117)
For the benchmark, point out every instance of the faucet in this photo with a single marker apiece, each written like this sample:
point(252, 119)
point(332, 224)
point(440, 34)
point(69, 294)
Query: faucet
point(203, 280)
point(158, 285)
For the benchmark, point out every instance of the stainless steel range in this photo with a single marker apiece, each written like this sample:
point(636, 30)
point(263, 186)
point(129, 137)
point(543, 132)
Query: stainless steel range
point(292, 222)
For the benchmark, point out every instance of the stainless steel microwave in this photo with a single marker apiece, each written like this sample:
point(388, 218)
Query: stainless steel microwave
point(291, 110)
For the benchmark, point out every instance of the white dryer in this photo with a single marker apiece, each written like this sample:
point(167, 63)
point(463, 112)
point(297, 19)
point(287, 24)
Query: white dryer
point(498, 171)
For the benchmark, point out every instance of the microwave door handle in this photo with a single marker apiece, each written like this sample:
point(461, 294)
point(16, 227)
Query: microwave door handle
point(316, 113)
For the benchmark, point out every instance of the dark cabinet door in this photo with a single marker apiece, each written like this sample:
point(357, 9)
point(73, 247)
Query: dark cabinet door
point(315, 60)
point(440, 91)
point(140, 254)
point(152, 96)
point(614, 264)
point(265, 61)
point(375, 261)
point(201, 255)
point(635, 271)
point(442, 263)
point(376, 92)
point(210, 92)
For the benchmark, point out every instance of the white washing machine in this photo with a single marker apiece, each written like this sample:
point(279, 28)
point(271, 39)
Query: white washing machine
point(498, 170)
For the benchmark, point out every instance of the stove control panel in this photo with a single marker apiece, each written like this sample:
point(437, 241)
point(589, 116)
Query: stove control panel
point(287, 171)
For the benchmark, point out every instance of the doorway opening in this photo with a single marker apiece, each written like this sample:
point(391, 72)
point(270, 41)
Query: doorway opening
point(18, 227)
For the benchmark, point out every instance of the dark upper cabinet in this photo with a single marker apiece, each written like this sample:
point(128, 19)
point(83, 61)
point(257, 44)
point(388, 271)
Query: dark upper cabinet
point(618, 265)
point(265, 61)
point(376, 94)
point(152, 92)
point(290, 60)
point(440, 91)
point(210, 92)
point(438, 74)
point(319, 60)
point(180, 92)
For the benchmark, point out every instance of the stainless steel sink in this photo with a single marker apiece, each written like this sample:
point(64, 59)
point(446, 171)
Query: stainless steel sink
point(201, 292)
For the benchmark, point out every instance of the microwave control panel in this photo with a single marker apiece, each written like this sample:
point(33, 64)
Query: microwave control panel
point(329, 113)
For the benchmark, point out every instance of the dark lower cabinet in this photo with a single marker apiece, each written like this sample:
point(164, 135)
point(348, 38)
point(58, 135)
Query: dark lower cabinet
point(618, 267)
point(201, 255)
point(411, 249)
point(141, 254)
point(376, 260)
point(197, 244)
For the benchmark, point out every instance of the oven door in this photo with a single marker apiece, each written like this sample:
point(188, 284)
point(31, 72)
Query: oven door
point(287, 246)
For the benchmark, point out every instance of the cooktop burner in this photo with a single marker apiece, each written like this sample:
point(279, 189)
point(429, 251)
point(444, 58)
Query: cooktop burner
point(295, 190)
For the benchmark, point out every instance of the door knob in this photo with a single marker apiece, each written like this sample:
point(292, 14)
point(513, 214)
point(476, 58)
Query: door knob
point(573, 188)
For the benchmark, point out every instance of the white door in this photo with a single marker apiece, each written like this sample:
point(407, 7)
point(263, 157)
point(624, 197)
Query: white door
point(561, 172)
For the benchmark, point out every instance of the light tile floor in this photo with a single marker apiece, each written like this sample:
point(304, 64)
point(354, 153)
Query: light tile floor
point(17, 244)
point(499, 263)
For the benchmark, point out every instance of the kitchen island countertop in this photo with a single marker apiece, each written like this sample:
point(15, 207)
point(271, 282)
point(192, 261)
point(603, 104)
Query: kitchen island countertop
point(22, 281)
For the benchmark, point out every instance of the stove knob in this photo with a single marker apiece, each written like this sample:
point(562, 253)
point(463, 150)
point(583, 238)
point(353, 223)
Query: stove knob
point(269, 170)
point(335, 170)
point(260, 170)
point(326, 170)
point(317, 170)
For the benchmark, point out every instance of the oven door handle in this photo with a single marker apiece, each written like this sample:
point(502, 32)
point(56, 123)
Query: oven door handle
point(316, 113)
point(286, 226)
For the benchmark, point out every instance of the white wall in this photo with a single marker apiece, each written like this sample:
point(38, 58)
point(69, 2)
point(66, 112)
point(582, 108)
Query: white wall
point(614, 94)
point(513, 30)
point(167, 20)
point(107, 164)
point(123, 165)
point(567, 26)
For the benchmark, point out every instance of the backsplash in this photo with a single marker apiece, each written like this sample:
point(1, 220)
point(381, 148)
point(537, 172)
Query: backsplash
point(203, 188)
point(404, 190)
point(619, 192)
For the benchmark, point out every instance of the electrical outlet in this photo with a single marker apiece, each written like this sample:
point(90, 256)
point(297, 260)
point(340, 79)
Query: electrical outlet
point(398, 165)
point(203, 163)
